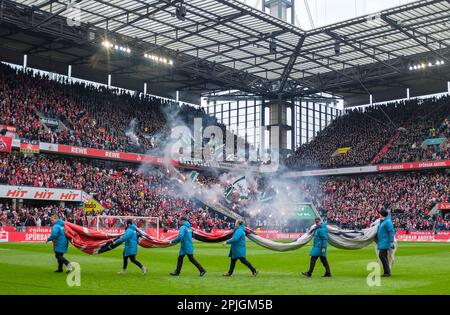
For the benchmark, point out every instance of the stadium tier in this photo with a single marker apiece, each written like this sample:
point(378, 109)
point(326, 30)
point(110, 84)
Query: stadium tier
point(85, 115)
point(393, 133)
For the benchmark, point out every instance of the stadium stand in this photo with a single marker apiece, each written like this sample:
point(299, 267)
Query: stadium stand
point(367, 132)
point(91, 117)
point(120, 190)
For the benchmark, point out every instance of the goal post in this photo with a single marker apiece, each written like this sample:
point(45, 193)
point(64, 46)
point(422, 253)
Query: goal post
point(149, 225)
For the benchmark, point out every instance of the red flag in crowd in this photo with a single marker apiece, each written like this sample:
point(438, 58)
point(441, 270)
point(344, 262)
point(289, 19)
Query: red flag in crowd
point(5, 144)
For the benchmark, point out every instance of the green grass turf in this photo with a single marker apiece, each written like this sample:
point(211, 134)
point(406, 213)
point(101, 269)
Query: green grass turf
point(420, 268)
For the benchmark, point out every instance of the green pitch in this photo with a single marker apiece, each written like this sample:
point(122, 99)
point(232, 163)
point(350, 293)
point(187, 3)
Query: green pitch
point(420, 268)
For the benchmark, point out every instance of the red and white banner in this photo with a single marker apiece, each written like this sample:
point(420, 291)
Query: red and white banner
point(28, 148)
point(39, 193)
point(372, 169)
point(27, 237)
point(10, 129)
point(4, 236)
point(423, 236)
point(111, 155)
point(443, 206)
point(5, 144)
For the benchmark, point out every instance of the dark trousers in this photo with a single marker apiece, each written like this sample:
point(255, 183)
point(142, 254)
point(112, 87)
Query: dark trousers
point(133, 260)
point(191, 259)
point(385, 261)
point(244, 261)
point(324, 262)
point(61, 260)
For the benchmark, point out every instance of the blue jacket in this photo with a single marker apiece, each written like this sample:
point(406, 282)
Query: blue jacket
point(185, 237)
point(237, 243)
point(320, 241)
point(59, 238)
point(131, 241)
point(385, 233)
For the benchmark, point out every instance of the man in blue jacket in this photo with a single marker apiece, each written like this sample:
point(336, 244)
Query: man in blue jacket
point(319, 249)
point(131, 246)
point(60, 243)
point(238, 249)
point(186, 248)
point(385, 240)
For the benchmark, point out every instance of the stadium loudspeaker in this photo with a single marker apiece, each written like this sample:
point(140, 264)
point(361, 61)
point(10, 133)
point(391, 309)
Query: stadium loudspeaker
point(180, 12)
point(337, 49)
point(273, 47)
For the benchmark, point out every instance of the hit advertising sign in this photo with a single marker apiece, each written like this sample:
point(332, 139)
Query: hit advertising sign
point(39, 193)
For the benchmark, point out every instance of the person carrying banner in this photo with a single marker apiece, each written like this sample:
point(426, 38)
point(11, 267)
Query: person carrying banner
point(385, 240)
point(60, 243)
point(131, 244)
point(186, 248)
point(319, 249)
point(238, 249)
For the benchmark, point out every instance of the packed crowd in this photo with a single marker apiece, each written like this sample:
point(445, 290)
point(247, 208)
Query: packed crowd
point(367, 131)
point(431, 121)
point(354, 202)
point(351, 202)
point(120, 190)
point(94, 117)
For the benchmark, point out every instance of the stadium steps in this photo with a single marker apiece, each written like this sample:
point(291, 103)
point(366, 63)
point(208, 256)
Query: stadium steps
point(61, 125)
point(385, 149)
point(41, 115)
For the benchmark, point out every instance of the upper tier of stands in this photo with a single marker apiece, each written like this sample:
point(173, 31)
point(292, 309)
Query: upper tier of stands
point(93, 117)
point(390, 133)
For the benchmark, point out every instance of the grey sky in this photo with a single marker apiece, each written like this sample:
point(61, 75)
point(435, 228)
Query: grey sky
point(326, 12)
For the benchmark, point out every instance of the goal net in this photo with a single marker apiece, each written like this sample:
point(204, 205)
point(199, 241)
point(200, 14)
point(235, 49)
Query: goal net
point(117, 224)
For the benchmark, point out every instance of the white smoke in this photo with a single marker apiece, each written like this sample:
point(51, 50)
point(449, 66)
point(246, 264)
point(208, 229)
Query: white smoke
point(130, 132)
point(269, 211)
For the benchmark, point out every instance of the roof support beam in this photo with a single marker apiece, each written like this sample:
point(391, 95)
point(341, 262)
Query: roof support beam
point(290, 64)
point(343, 40)
point(256, 13)
point(227, 19)
point(395, 25)
point(141, 17)
point(57, 13)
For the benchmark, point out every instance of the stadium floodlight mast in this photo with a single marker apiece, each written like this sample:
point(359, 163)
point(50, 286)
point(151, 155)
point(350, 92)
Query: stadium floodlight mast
point(181, 147)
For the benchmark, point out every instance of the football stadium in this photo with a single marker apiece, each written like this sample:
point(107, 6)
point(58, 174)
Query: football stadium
point(224, 147)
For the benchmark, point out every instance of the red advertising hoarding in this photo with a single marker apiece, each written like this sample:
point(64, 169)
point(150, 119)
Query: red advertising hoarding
point(413, 166)
point(423, 236)
point(10, 129)
point(443, 206)
point(112, 155)
point(40, 234)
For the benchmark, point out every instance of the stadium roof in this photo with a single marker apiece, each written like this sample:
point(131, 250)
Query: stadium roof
point(227, 43)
